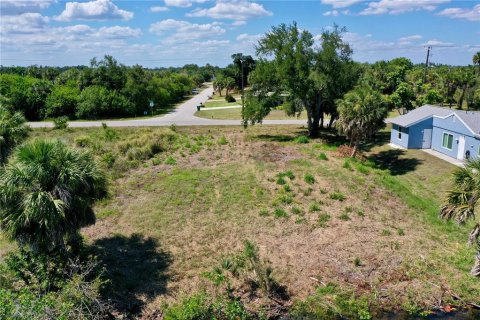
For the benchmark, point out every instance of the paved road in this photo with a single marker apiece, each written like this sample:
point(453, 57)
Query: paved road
point(183, 115)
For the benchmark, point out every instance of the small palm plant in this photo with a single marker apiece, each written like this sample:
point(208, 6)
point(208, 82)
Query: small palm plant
point(13, 130)
point(46, 195)
point(463, 202)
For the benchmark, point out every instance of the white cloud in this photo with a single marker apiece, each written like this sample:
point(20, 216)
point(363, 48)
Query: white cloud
point(93, 10)
point(232, 9)
point(333, 13)
point(119, 32)
point(239, 23)
point(439, 44)
point(16, 7)
point(400, 6)
point(182, 3)
point(462, 13)
point(341, 3)
point(249, 38)
point(23, 23)
point(184, 31)
point(410, 38)
point(158, 9)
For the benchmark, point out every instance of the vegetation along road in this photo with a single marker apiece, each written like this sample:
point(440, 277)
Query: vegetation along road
point(181, 116)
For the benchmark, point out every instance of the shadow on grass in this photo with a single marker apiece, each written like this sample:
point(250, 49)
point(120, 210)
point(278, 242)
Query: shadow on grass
point(393, 161)
point(134, 266)
point(380, 139)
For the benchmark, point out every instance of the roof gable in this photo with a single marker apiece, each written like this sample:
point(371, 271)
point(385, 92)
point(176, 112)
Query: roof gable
point(419, 114)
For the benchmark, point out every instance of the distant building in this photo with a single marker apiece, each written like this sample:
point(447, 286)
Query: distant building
point(454, 133)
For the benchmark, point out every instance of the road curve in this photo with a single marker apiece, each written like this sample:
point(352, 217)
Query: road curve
point(183, 115)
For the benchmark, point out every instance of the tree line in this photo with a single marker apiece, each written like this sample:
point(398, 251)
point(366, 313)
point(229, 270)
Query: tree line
point(292, 70)
point(105, 89)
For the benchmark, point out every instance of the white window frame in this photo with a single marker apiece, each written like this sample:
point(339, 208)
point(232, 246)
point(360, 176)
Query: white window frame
point(443, 138)
point(399, 133)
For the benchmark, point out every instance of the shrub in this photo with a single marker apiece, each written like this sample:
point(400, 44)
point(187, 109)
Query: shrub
point(62, 101)
point(307, 192)
point(285, 199)
point(60, 123)
point(280, 213)
point(344, 216)
point(323, 218)
point(322, 156)
point(357, 262)
point(314, 207)
point(347, 165)
point(170, 161)
point(287, 188)
point(296, 210)
point(310, 179)
point(82, 141)
point(110, 134)
point(222, 140)
point(337, 195)
point(109, 159)
point(281, 181)
point(264, 212)
point(229, 98)
point(400, 232)
point(302, 139)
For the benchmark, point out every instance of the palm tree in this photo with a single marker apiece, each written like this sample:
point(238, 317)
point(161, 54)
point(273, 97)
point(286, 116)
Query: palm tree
point(229, 84)
point(463, 202)
point(361, 114)
point(13, 130)
point(46, 195)
point(476, 60)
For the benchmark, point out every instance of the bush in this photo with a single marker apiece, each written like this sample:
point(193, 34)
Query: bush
point(302, 139)
point(280, 213)
point(60, 123)
point(337, 195)
point(83, 141)
point(322, 156)
point(62, 101)
point(310, 179)
point(229, 98)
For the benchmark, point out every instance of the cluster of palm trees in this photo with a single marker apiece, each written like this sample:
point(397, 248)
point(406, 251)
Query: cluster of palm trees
point(46, 188)
point(462, 203)
point(222, 82)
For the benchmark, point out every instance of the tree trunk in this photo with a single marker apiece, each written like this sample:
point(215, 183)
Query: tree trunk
point(330, 123)
point(476, 267)
point(355, 149)
point(321, 120)
point(472, 238)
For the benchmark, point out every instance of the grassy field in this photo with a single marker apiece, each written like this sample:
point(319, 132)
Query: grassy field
point(236, 114)
point(222, 103)
point(183, 198)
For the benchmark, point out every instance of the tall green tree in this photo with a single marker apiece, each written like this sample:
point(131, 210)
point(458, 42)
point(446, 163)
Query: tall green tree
point(13, 130)
point(462, 203)
point(362, 113)
point(476, 60)
point(292, 69)
point(47, 192)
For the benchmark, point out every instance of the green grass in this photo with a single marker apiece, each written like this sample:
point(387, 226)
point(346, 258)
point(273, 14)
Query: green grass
point(217, 195)
point(236, 114)
point(223, 103)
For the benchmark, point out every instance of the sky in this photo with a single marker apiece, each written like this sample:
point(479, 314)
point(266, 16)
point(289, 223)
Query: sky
point(176, 32)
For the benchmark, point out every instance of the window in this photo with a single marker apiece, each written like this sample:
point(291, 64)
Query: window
point(447, 141)
point(399, 133)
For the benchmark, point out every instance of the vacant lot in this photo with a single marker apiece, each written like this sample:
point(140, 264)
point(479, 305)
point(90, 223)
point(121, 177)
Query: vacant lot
point(236, 114)
point(182, 198)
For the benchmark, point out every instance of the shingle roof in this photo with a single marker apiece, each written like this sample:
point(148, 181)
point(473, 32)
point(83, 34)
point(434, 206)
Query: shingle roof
point(471, 118)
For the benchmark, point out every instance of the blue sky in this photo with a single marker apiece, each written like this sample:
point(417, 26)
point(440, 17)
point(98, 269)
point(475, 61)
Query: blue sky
point(176, 32)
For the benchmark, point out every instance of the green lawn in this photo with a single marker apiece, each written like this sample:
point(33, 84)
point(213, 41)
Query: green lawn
point(223, 103)
point(370, 227)
point(236, 114)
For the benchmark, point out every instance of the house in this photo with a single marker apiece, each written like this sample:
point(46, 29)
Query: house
point(454, 133)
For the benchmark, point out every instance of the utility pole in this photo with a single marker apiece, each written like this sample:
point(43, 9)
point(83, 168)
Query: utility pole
point(243, 92)
point(426, 64)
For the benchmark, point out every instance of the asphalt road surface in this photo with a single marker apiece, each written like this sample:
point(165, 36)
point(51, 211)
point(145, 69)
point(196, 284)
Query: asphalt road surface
point(183, 115)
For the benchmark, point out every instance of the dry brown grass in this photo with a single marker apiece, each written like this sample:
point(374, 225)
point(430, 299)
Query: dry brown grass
point(206, 205)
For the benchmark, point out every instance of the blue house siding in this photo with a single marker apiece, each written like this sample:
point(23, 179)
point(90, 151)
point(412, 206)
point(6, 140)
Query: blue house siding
point(455, 127)
point(473, 145)
point(452, 123)
point(437, 140)
point(415, 133)
point(403, 142)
